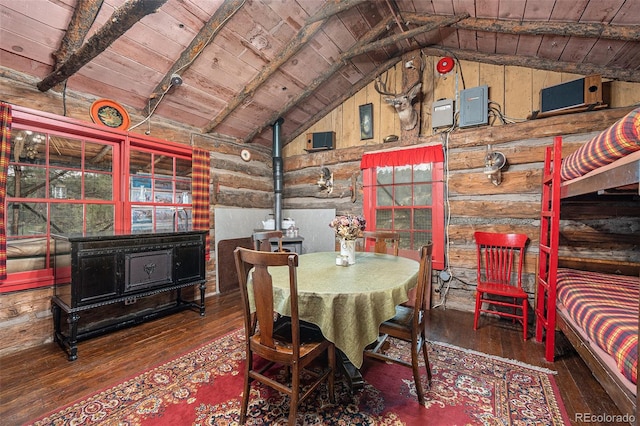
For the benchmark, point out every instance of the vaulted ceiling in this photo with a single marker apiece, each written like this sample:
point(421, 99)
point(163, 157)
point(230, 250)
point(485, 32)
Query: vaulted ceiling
point(243, 64)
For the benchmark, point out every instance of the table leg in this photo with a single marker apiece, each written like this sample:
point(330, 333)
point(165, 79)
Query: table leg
point(353, 375)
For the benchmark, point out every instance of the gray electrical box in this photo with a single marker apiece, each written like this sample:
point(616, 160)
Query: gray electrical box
point(474, 105)
point(442, 113)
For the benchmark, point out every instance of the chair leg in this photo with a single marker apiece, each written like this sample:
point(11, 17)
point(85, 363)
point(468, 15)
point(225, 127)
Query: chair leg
point(415, 351)
point(295, 394)
point(247, 390)
point(425, 355)
point(331, 355)
point(525, 316)
point(477, 312)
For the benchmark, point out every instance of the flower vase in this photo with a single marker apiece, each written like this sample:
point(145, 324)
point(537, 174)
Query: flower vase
point(348, 249)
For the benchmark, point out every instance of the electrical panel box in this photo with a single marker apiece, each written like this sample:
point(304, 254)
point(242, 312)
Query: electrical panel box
point(474, 106)
point(442, 113)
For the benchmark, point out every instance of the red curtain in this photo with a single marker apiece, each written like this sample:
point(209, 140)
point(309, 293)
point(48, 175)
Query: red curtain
point(5, 152)
point(200, 168)
point(403, 157)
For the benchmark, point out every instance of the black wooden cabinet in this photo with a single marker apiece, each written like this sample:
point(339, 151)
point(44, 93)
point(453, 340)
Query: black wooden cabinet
point(92, 271)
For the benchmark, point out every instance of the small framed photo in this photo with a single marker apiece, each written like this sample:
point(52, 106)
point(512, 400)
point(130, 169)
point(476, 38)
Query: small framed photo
point(366, 121)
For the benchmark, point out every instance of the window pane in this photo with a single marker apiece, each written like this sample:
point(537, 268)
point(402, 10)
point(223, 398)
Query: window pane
point(28, 147)
point(26, 182)
point(65, 184)
point(422, 219)
point(405, 240)
point(141, 219)
point(100, 217)
point(422, 194)
point(26, 218)
point(403, 174)
point(183, 191)
point(26, 254)
point(162, 191)
point(65, 152)
point(98, 186)
point(139, 162)
point(66, 218)
point(383, 219)
point(98, 157)
point(403, 196)
point(163, 166)
point(183, 168)
point(140, 189)
point(165, 217)
point(422, 173)
point(420, 239)
point(384, 195)
point(384, 175)
point(402, 219)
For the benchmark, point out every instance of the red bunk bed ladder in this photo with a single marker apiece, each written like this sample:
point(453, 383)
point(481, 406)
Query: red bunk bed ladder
point(548, 249)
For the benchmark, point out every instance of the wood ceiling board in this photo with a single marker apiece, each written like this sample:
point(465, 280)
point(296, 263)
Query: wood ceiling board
point(511, 9)
point(577, 49)
point(627, 14)
point(539, 10)
point(507, 44)
point(604, 51)
point(601, 11)
point(552, 47)
point(568, 11)
point(55, 16)
point(528, 45)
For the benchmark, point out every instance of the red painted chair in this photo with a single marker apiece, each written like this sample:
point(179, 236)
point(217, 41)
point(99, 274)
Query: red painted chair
point(500, 259)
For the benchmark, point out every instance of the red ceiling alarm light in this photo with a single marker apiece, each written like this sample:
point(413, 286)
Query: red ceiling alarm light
point(445, 65)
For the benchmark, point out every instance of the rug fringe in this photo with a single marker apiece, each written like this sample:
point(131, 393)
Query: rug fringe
point(498, 358)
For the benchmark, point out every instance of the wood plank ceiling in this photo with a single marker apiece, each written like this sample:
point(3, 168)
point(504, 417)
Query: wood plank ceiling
point(244, 63)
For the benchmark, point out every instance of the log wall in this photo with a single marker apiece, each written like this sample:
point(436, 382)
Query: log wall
point(25, 318)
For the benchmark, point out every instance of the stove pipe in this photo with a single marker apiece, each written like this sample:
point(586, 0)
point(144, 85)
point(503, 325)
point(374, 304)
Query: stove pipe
point(278, 173)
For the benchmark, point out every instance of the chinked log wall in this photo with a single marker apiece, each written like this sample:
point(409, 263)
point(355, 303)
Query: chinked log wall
point(477, 204)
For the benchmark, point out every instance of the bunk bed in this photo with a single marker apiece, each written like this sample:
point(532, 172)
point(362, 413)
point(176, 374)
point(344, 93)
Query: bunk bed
point(596, 311)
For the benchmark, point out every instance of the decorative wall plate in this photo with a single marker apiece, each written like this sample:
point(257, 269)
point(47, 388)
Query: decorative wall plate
point(110, 113)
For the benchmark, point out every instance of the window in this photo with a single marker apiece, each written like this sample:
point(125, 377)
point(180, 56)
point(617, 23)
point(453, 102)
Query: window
point(403, 192)
point(67, 177)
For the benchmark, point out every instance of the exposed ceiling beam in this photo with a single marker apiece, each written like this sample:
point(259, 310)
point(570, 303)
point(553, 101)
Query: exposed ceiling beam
point(197, 45)
point(536, 63)
point(311, 27)
point(566, 29)
point(83, 17)
point(121, 20)
point(363, 46)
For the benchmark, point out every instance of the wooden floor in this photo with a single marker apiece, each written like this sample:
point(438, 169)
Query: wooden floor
point(38, 380)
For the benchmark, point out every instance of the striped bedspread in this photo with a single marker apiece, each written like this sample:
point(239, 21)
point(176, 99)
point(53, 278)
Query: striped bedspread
point(621, 139)
point(606, 307)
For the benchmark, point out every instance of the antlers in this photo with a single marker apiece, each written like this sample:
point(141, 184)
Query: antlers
point(402, 102)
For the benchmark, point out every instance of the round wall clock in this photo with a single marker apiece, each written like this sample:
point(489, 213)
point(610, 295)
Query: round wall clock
point(110, 113)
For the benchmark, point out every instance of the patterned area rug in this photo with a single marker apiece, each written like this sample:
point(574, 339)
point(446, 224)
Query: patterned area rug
point(204, 387)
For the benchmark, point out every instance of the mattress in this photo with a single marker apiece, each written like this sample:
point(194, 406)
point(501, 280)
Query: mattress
point(605, 306)
point(619, 140)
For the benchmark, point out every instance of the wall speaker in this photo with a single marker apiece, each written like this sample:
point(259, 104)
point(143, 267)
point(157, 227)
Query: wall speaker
point(572, 94)
point(320, 141)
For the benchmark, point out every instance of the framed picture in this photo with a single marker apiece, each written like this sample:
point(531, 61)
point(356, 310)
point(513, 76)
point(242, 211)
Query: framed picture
point(366, 121)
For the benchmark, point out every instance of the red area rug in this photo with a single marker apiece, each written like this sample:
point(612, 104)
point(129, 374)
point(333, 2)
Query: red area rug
point(204, 387)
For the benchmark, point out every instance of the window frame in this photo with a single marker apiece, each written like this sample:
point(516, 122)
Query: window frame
point(122, 142)
point(369, 175)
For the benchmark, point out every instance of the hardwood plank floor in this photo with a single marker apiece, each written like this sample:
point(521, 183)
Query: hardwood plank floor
point(38, 380)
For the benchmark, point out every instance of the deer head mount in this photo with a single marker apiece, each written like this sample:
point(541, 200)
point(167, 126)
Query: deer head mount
point(403, 102)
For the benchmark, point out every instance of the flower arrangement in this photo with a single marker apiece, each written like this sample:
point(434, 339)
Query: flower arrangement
point(348, 227)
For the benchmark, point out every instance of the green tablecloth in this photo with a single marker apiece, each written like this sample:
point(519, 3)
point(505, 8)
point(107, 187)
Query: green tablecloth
point(348, 303)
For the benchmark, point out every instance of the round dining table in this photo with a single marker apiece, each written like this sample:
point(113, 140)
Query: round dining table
point(348, 303)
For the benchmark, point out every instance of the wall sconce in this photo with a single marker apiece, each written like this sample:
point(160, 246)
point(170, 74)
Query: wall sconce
point(494, 162)
point(326, 180)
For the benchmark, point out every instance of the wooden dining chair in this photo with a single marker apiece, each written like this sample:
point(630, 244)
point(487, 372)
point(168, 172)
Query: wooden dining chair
point(281, 342)
point(499, 271)
point(262, 240)
point(382, 241)
point(409, 325)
